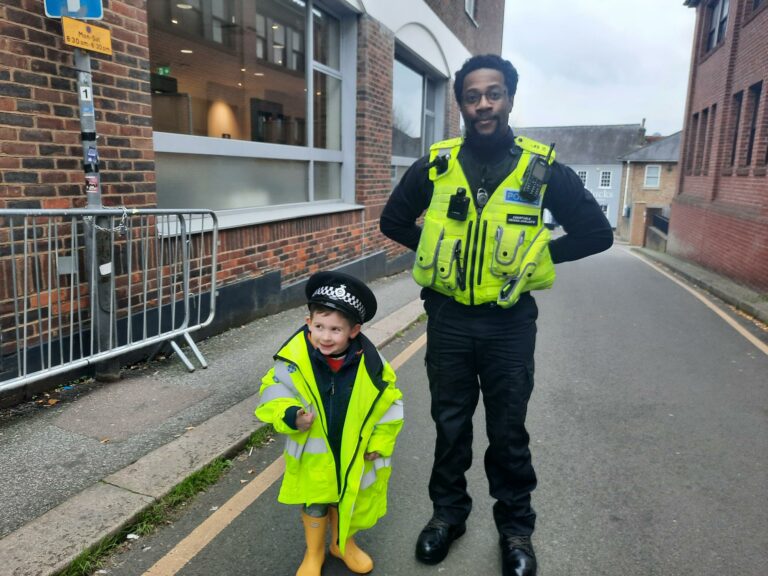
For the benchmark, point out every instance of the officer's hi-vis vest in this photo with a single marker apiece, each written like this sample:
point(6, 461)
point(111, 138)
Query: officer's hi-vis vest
point(499, 250)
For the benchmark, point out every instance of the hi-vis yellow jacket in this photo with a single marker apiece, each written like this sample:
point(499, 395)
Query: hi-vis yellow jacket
point(374, 419)
point(499, 250)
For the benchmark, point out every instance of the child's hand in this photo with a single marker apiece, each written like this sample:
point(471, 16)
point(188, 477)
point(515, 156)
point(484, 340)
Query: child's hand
point(371, 456)
point(304, 419)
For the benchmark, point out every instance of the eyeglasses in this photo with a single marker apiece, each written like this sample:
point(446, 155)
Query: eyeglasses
point(472, 98)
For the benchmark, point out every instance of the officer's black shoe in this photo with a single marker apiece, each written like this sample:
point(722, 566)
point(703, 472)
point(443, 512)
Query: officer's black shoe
point(435, 540)
point(517, 556)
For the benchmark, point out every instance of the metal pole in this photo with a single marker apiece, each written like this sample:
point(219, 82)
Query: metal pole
point(98, 255)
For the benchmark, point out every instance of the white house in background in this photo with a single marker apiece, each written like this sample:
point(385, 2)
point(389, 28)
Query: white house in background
point(594, 153)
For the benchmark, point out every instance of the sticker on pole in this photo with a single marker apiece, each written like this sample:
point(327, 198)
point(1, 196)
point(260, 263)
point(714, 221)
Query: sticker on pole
point(86, 36)
point(80, 9)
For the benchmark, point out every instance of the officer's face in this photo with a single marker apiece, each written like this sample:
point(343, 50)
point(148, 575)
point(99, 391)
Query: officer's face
point(485, 103)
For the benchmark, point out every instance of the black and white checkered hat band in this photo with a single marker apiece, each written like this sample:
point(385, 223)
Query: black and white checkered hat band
point(340, 293)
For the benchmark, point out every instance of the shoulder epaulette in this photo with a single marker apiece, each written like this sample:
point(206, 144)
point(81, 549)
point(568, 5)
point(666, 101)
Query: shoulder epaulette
point(533, 147)
point(446, 144)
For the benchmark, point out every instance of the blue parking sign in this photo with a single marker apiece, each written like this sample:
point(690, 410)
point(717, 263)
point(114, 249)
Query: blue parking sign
point(80, 9)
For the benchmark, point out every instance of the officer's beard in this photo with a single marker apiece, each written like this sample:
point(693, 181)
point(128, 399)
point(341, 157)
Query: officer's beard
point(482, 142)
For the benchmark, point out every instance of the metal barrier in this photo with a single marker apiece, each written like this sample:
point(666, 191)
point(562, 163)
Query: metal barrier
point(81, 286)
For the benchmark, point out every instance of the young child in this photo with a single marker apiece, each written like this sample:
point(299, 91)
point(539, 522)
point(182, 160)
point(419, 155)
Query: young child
point(334, 397)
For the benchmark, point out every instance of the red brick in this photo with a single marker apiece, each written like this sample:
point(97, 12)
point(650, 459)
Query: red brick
point(720, 217)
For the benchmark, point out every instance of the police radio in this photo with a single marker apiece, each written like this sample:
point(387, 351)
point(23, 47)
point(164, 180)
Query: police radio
point(536, 176)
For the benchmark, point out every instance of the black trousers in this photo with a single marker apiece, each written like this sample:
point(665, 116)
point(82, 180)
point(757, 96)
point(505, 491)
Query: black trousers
point(490, 349)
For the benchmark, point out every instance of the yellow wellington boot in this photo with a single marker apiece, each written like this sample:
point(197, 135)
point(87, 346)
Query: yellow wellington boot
point(315, 530)
point(356, 560)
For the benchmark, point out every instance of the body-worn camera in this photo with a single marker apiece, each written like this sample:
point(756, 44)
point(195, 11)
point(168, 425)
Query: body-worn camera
point(458, 205)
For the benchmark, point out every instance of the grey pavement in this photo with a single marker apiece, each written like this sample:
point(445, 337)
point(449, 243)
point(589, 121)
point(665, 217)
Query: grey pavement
point(81, 470)
point(76, 472)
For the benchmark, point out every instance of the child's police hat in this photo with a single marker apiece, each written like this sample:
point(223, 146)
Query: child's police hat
point(342, 292)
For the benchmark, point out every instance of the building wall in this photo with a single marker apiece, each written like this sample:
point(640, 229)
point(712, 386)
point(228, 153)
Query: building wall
point(376, 51)
point(40, 148)
point(654, 197)
point(488, 18)
point(720, 216)
point(608, 198)
point(634, 193)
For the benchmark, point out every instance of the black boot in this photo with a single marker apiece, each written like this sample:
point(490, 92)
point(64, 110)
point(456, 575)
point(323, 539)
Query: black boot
point(435, 540)
point(517, 556)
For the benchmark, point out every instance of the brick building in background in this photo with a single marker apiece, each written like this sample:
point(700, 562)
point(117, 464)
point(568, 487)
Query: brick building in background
point(292, 119)
point(719, 218)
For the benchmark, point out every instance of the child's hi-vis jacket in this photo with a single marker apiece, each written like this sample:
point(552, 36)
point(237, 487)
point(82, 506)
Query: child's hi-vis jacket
point(374, 419)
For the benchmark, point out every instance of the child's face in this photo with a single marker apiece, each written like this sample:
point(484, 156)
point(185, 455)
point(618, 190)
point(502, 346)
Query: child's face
point(331, 332)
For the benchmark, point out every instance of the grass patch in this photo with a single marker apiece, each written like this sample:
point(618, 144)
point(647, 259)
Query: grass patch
point(260, 437)
point(146, 523)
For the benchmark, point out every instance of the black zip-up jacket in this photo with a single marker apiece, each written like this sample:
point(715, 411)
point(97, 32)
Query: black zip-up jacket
point(587, 230)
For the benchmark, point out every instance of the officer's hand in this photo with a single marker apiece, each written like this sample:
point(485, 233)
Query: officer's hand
point(304, 419)
point(371, 456)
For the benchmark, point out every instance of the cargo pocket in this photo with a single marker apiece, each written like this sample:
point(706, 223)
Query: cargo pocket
point(508, 249)
point(447, 262)
point(425, 266)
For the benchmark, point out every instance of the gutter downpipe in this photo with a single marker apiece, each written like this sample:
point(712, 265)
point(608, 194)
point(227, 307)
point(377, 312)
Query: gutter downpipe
point(626, 197)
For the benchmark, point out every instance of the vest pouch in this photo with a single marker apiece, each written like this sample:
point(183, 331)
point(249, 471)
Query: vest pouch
point(447, 263)
point(424, 267)
point(536, 253)
point(508, 249)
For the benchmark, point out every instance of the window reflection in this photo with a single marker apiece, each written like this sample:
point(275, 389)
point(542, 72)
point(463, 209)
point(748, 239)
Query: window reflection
point(327, 111)
point(326, 36)
point(230, 69)
point(408, 111)
point(327, 181)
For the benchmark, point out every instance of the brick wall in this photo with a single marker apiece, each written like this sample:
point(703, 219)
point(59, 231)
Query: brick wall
point(661, 196)
point(40, 148)
point(295, 248)
point(481, 35)
point(732, 243)
point(373, 178)
point(720, 217)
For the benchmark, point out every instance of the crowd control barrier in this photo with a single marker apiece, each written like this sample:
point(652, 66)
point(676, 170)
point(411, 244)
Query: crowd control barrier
point(81, 286)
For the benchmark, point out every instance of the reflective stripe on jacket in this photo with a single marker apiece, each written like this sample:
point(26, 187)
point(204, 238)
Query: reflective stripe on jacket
point(488, 253)
point(374, 419)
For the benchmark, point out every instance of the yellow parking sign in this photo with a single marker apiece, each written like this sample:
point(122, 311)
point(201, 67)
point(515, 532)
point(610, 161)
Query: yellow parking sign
point(86, 36)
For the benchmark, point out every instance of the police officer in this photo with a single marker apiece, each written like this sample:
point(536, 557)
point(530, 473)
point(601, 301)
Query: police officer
point(482, 249)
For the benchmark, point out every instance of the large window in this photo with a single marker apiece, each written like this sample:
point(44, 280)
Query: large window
point(605, 179)
point(718, 23)
point(407, 112)
point(582, 174)
point(417, 96)
point(271, 74)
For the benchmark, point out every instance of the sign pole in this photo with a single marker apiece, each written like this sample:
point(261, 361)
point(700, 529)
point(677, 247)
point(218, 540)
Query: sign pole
point(100, 278)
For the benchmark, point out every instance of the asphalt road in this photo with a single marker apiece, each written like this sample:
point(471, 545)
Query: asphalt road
point(649, 427)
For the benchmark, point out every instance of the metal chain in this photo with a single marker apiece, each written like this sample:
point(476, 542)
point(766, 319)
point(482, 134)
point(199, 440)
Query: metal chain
point(121, 227)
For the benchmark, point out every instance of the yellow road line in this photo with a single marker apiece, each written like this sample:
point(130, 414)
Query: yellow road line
point(212, 526)
point(199, 538)
point(406, 354)
point(730, 321)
